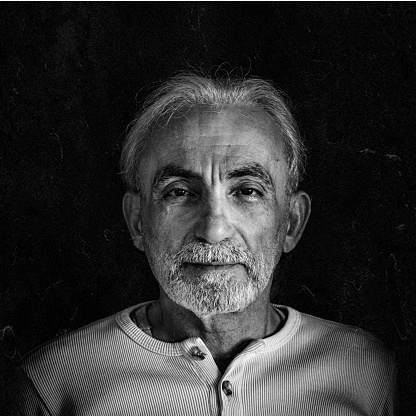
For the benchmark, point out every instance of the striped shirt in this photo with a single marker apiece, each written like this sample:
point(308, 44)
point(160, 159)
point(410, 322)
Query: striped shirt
point(310, 366)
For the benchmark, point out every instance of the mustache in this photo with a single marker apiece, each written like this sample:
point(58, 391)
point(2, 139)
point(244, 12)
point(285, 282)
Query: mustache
point(223, 252)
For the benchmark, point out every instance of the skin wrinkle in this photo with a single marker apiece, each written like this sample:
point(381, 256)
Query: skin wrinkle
point(171, 171)
point(214, 292)
point(215, 216)
point(244, 111)
point(189, 92)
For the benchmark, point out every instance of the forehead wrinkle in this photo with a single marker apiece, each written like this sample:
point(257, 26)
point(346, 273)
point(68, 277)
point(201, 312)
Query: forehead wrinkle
point(251, 169)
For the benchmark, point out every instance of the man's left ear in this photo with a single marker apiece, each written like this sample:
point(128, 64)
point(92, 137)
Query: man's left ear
point(131, 211)
point(300, 209)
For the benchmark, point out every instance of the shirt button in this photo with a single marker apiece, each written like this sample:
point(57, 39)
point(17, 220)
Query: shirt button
point(227, 388)
point(197, 353)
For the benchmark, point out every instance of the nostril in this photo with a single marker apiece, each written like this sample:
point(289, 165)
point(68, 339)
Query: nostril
point(213, 229)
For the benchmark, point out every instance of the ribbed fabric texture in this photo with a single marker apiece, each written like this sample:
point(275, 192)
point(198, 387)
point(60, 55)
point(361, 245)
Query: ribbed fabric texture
point(111, 367)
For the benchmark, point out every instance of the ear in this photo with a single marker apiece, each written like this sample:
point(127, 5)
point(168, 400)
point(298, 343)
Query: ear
point(131, 211)
point(300, 209)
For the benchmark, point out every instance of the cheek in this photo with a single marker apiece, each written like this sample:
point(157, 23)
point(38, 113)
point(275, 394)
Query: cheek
point(165, 227)
point(267, 230)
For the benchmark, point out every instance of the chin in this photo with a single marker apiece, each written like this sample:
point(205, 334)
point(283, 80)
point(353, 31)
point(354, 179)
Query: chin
point(213, 294)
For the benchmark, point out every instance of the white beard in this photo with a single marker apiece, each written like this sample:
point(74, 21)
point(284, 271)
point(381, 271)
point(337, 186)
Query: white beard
point(213, 293)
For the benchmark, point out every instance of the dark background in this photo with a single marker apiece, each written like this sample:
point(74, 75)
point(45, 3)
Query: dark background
point(71, 78)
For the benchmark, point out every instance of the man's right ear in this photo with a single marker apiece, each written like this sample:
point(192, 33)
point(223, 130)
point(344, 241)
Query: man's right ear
point(131, 211)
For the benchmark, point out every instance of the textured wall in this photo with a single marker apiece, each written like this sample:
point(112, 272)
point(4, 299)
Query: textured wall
point(71, 75)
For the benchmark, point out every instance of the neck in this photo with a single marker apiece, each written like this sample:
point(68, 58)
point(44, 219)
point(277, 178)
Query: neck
point(225, 335)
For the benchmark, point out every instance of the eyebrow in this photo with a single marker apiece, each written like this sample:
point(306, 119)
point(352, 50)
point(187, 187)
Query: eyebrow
point(173, 170)
point(253, 169)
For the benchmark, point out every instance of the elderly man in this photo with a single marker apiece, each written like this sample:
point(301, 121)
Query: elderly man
point(212, 168)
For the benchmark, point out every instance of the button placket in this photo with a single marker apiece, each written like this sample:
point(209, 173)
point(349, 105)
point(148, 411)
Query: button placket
point(195, 352)
point(229, 388)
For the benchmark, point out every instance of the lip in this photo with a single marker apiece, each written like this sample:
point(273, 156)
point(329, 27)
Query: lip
point(214, 266)
point(214, 263)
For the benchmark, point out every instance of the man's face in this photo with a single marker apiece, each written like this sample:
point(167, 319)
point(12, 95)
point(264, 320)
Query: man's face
point(213, 212)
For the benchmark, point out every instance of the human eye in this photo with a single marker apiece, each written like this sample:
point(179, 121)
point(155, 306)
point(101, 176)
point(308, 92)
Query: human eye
point(177, 193)
point(249, 193)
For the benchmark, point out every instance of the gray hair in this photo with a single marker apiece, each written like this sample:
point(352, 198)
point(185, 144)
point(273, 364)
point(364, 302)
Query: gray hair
point(188, 90)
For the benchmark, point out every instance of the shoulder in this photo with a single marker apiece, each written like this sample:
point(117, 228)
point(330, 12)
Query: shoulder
point(71, 346)
point(346, 354)
point(341, 338)
point(83, 346)
point(68, 368)
point(345, 363)
point(338, 348)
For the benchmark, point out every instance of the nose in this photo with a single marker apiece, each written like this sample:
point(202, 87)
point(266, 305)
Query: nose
point(214, 224)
